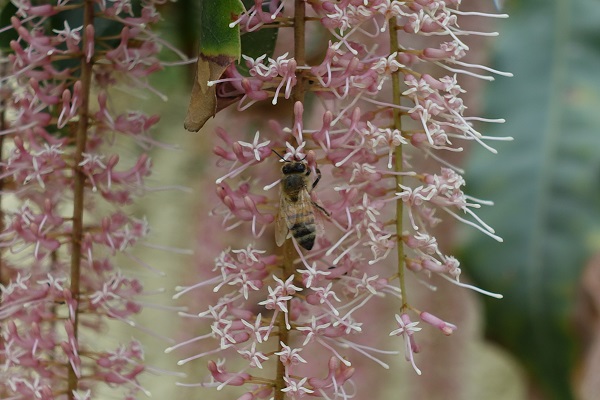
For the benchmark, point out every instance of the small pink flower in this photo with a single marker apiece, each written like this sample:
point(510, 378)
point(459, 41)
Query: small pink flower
point(407, 329)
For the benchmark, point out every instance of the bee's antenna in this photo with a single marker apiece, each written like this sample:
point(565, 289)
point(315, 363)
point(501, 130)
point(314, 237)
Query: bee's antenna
point(279, 155)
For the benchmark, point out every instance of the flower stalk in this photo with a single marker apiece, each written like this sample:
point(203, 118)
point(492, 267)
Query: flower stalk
point(283, 331)
point(398, 161)
point(3, 125)
point(289, 253)
point(79, 180)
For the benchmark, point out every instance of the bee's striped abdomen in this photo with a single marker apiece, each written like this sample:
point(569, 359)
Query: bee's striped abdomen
point(305, 233)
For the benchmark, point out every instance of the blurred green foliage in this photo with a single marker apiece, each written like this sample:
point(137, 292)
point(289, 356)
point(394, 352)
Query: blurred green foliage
point(8, 10)
point(546, 184)
point(73, 17)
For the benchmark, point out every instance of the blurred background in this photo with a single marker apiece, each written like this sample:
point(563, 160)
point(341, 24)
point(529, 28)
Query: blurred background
point(542, 341)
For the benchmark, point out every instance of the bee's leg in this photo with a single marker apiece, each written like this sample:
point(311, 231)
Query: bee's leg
point(324, 211)
point(314, 185)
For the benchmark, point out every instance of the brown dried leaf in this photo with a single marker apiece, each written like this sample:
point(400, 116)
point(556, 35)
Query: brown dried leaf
point(203, 100)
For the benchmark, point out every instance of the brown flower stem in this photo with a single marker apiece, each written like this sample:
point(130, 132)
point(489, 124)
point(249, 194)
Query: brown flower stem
point(3, 279)
point(79, 183)
point(3, 126)
point(299, 49)
point(289, 253)
point(398, 167)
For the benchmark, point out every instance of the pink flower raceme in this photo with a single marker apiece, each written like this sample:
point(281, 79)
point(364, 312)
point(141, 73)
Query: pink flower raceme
point(375, 115)
point(62, 283)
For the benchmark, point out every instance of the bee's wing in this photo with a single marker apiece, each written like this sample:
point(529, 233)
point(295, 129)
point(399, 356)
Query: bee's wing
point(321, 214)
point(281, 228)
point(291, 213)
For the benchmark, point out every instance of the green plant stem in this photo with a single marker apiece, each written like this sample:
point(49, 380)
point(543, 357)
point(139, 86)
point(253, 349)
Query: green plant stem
point(398, 167)
point(79, 184)
point(289, 253)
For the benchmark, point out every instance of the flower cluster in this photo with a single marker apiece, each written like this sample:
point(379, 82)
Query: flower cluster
point(378, 117)
point(59, 279)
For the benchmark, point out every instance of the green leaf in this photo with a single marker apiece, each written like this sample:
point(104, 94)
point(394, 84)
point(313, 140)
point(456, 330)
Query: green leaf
point(253, 44)
point(219, 48)
point(73, 17)
point(7, 12)
point(184, 24)
point(545, 184)
point(103, 28)
point(216, 37)
point(257, 43)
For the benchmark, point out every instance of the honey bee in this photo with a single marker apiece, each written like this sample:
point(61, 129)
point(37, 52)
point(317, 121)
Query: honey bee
point(296, 208)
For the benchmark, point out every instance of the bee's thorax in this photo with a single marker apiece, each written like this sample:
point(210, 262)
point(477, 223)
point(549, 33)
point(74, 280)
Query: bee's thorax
point(292, 184)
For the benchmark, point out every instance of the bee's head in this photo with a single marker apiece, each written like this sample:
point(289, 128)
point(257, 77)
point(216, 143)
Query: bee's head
point(294, 167)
